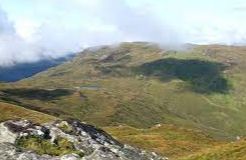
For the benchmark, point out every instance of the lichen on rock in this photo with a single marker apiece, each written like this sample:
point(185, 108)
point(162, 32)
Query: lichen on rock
point(63, 140)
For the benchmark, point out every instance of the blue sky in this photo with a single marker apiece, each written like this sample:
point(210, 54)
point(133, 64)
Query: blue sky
point(51, 28)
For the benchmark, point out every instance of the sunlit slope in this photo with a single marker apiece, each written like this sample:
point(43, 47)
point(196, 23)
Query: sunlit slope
point(168, 140)
point(9, 111)
point(180, 143)
point(230, 151)
point(140, 84)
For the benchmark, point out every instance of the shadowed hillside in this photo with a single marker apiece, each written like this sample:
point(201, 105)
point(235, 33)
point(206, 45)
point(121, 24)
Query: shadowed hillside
point(38, 94)
point(25, 70)
point(203, 76)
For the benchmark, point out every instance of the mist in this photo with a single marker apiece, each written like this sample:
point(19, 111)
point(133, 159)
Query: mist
point(44, 29)
point(113, 22)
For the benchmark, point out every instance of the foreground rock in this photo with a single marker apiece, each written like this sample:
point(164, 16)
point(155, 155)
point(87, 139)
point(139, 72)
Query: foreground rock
point(63, 140)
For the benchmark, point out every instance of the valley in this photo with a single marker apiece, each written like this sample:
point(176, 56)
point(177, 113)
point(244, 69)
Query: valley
point(196, 96)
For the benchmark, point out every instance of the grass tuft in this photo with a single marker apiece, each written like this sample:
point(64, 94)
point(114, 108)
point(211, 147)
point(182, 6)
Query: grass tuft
point(42, 146)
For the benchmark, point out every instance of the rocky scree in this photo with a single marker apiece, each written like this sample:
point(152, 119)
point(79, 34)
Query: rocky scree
point(63, 140)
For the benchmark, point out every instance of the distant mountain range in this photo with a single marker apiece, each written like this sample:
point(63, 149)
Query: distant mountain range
point(25, 70)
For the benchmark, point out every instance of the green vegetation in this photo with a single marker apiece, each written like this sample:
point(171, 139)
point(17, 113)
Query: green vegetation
point(167, 140)
point(40, 94)
point(203, 76)
point(231, 151)
point(65, 127)
point(41, 146)
point(9, 111)
point(141, 85)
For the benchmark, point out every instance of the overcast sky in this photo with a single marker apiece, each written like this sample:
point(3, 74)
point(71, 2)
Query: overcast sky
point(34, 29)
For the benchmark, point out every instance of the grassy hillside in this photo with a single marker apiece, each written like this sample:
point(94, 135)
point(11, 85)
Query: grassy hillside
point(140, 84)
point(9, 111)
point(230, 151)
point(167, 140)
point(180, 143)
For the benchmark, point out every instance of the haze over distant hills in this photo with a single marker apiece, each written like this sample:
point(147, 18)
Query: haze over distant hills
point(23, 70)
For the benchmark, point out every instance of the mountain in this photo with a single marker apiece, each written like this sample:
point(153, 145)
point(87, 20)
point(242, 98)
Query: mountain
point(23, 70)
point(131, 87)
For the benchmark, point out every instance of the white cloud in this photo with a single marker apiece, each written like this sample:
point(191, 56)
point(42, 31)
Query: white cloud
point(25, 28)
point(68, 26)
point(12, 47)
point(52, 28)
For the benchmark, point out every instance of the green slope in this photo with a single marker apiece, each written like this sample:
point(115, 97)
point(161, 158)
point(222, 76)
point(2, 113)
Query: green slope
point(167, 140)
point(9, 111)
point(140, 84)
point(230, 151)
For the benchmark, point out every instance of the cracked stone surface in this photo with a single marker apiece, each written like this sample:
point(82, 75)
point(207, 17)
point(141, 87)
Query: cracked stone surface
point(94, 143)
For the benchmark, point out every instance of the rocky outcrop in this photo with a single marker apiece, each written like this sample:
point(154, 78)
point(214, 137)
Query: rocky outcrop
point(88, 142)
